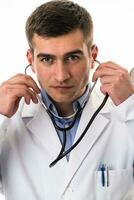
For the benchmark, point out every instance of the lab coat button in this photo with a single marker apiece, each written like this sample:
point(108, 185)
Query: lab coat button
point(70, 190)
point(68, 193)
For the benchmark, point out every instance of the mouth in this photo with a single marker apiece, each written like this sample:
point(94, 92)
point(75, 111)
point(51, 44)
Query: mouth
point(62, 88)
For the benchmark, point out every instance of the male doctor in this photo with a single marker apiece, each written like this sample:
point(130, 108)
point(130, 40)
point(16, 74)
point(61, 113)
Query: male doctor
point(61, 54)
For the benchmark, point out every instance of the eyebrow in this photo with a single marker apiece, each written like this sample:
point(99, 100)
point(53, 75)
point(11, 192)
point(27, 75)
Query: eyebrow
point(77, 51)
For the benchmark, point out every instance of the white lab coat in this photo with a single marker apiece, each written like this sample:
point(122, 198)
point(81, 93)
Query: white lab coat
point(29, 143)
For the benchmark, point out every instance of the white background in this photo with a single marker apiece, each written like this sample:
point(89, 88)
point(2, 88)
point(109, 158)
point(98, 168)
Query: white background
point(113, 32)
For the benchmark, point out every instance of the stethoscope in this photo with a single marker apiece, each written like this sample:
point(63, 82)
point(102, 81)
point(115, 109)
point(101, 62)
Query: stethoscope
point(75, 116)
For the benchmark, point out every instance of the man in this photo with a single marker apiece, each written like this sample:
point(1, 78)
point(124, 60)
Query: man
point(61, 54)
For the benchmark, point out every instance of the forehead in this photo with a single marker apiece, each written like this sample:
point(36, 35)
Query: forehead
point(60, 44)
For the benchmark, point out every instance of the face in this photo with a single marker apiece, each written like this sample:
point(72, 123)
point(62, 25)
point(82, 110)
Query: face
point(62, 65)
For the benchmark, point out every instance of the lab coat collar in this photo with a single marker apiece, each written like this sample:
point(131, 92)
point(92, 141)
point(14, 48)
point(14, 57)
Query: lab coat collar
point(96, 98)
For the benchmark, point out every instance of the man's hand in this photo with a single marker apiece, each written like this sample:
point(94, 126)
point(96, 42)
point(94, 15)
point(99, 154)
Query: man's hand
point(115, 80)
point(12, 90)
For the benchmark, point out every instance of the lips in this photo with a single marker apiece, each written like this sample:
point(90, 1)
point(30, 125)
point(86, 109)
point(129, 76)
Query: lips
point(62, 88)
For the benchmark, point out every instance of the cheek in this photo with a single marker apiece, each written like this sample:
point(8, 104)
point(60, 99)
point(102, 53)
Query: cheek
point(82, 74)
point(41, 73)
point(43, 81)
point(44, 78)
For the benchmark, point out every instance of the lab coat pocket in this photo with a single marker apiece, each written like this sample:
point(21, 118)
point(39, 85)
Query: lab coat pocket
point(113, 184)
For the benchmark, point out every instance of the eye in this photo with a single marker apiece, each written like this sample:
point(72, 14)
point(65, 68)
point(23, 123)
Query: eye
point(72, 58)
point(47, 59)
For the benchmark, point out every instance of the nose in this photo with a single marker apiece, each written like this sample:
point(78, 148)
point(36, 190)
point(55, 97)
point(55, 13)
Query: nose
point(61, 72)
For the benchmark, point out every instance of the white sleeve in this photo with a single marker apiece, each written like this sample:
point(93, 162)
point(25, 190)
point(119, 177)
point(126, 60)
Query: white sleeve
point(125, 113)
point(4, 122)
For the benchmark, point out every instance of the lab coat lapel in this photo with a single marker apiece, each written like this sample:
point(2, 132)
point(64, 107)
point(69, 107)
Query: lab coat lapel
point(78, 155)
point(42, 128)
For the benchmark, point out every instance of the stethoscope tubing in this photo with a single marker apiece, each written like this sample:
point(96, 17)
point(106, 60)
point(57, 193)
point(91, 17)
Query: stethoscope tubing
point(60, 156)
point(71, 125)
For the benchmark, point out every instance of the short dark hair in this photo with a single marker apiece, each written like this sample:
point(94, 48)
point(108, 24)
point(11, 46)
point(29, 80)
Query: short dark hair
point(59, 17)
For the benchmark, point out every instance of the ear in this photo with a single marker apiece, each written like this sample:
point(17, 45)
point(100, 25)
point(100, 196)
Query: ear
point(94, 53)
point(30, 59)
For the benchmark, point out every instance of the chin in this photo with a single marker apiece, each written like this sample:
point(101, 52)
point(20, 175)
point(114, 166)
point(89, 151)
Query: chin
point(62, 99)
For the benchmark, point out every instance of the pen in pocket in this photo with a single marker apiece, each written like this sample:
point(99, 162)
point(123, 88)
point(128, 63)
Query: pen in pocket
point(104, 169)
point(107, 175)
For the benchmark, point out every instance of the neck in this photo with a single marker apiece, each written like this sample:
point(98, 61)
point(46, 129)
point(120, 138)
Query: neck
point(64, 109)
